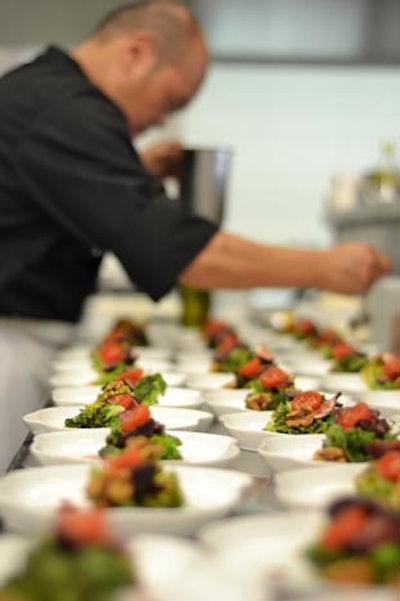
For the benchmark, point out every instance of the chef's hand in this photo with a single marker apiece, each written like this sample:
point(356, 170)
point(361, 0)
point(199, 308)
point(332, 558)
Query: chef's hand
point(352, 267)
point(161, 159)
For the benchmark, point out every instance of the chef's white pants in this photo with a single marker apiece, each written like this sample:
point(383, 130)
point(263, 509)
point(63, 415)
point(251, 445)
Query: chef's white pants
point(27, 352)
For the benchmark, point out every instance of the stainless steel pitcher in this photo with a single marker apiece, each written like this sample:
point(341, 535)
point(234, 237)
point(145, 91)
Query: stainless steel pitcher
point(202, 177)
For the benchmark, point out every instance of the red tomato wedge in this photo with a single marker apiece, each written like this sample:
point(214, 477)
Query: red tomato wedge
point(344, 527)
point(228, 343)
point(82, 526)
point(132, 418)
point(391, 368)
point(274, 377)
point(127, 459)
point(131, 376)
point(342, 350)
point(348, 417)
point(124, 400)
point(388, 466)
point(110, 354)
point(308, 398)
point(251, 369)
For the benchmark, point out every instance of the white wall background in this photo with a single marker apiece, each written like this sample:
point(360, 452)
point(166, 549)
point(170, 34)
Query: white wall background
point(292, 129)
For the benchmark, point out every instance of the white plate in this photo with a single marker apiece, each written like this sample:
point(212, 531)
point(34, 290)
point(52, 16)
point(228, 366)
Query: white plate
point(89, 377)
point(51, 419)
point(76, 356)
point(287, 453)
point(343, 382)
point(316, 487)
point(267, 544)
point(172, 568)
point(226, 400)
point(308, 366)
point(29, 498)
point(13, 552)
point(173, 397)
point(234, 400)
point(211, 381)
point(194, 365)
point(198, 448)
point(248, 429)
point(387, 402)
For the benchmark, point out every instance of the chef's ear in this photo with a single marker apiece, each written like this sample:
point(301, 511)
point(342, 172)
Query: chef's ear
point(141, 53)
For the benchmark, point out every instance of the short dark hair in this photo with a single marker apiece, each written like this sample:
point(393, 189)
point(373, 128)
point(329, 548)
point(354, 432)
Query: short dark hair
point(170, 23)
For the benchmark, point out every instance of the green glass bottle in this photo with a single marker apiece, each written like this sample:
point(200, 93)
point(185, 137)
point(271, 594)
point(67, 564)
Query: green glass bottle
point(196, 306)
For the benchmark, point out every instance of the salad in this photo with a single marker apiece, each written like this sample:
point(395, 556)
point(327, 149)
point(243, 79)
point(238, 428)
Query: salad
point(125, 329)
point(346, 358)
point(359, 544)
point(354, 428)
point(381, 480)
point(111, 358)
point(138, 423)
point(217, 332)
point(382, 372)
point(134, 478)
point(324, 341)
point(308, 412)
point(125, 392)
point(272, 387)
point(78, 561)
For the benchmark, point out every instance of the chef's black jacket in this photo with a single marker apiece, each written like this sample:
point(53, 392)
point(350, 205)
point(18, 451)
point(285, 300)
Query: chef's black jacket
point(72, 187)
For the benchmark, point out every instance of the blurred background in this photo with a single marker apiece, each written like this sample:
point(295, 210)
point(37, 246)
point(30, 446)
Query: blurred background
point(304, 92)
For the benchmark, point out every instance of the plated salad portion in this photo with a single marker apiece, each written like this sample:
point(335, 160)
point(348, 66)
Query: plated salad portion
point(134, 478)
point(307, 412)
point(381, 480)
point(126, 391)
point(347, 359)
point(128, 330)
point(359, 544)
point(78, 560)
point(137, 423)
point(123, 406)
point(271, 387)
point(382, 372)
point(115, 352)
point(352, 433)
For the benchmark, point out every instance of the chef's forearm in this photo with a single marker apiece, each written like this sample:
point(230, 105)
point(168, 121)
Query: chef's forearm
point(229, 261)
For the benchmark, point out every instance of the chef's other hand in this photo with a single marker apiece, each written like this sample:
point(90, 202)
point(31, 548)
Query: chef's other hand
point(161, 159)
point(352, 267)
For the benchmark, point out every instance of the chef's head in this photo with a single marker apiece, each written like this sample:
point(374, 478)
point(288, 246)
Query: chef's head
point(149, 57)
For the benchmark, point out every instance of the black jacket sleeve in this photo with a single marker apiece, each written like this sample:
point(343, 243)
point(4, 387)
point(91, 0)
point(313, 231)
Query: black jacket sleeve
point(77, 164)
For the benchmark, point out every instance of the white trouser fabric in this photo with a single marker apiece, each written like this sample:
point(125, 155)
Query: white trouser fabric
point(27, 351)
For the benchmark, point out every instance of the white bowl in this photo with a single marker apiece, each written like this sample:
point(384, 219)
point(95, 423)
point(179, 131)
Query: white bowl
point(248, 429)
point(190, 365)
point(14, 549)
point(197, 448)
point(226, 400)
point(305, 366)
point(316, 488)
point(79, 358)
point(387, 402)
point(234, 399)
point(163, 563)
point(286, 453)
point(173, 397)
point(51, 419)
point(30, 497)
point(275, 543)
point(89, 377)
point(343, 382)
point(210, 381)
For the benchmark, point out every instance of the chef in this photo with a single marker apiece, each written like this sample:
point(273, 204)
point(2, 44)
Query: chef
point(72, 186)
